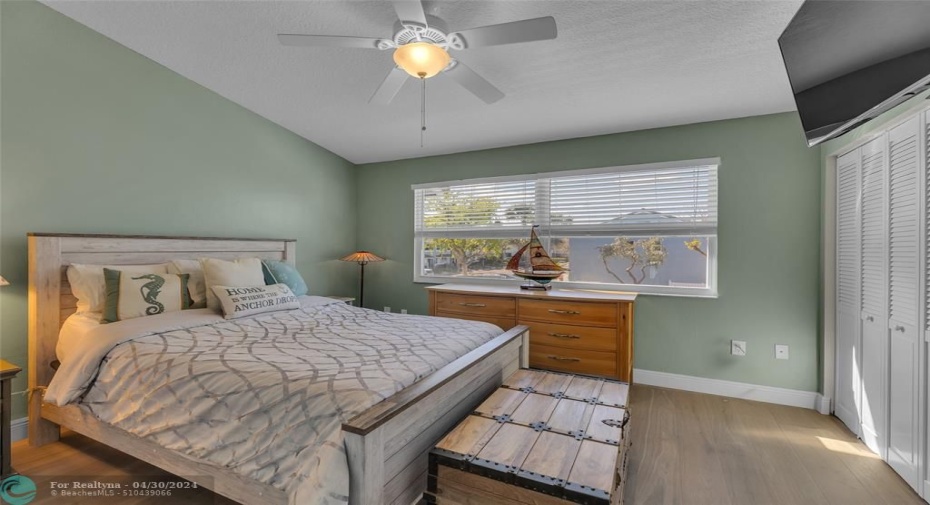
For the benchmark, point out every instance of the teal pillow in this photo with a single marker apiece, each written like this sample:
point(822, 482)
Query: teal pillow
point(279, 272)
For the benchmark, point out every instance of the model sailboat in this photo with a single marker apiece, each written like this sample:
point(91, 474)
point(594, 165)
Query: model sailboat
point(542, 269)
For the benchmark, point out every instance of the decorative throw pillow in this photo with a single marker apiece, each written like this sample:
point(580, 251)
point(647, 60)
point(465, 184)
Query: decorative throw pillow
point(195, 285)
point(89, 288)
point(279, 272)
point(131, 295)
point(251, 300)
point(243, 272)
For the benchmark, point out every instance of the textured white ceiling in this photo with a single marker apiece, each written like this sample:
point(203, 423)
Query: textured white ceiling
point(615, 66)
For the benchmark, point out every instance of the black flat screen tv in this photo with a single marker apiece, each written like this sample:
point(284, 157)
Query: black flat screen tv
point(850, 60)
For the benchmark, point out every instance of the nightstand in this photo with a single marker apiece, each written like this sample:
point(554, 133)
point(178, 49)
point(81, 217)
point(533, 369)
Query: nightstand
point(7, 372)
point(348, 300)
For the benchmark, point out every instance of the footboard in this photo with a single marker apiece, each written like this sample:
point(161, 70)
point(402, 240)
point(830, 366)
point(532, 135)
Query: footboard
point(388, 444)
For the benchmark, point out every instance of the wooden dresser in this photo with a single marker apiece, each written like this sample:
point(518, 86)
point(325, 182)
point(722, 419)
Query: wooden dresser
point(586, 332)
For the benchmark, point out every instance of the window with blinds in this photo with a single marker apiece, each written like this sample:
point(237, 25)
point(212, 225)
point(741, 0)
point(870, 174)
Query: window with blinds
point(645, 228)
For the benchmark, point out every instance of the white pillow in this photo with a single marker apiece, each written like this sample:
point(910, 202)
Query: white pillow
point(243, 272)
point(195, 284)
point(89, 288)
point(247, 301)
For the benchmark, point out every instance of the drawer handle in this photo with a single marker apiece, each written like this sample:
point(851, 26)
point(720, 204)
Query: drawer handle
point(562, 358)
point(467, 304)
point(563, 335)
point(568, 312)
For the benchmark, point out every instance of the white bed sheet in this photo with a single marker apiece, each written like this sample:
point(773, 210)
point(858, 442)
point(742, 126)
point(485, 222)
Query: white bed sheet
point(263, 396)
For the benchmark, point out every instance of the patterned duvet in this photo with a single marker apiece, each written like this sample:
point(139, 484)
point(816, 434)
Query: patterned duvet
point(266, 395)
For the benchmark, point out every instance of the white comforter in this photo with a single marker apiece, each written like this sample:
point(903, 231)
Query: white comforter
point(264, 396)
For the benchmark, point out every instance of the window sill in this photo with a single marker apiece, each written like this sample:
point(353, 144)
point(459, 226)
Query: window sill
point(631, 288)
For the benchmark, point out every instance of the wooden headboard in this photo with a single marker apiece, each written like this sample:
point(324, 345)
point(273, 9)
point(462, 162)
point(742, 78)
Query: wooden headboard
point(50, 297)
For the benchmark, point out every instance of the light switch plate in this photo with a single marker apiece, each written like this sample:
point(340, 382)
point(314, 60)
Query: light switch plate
point(781, 351)
point(738, 347)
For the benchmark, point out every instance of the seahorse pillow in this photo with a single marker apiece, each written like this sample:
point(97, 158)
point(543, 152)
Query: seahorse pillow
point(196, 285)
point(250, 300)
point(88, 285)
point(137, 294)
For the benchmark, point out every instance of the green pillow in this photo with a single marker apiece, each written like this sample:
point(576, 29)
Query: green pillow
point(279, 272)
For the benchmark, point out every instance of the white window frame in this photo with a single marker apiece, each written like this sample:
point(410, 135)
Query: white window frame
point(709, 291)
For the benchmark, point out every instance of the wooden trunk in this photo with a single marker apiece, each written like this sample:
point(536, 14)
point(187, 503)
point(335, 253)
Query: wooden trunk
point(542, 438)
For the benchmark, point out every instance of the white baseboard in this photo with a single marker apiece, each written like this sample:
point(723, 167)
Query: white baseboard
point(19, 428)
point(768, 394)
point(824, 404)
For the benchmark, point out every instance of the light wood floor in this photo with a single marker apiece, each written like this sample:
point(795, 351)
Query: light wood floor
point(694, 449)
point(688, 449)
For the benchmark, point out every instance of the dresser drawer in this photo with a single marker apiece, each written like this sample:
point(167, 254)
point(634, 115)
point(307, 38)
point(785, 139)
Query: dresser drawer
point(559, 311)
point(476, 304)
point(505, 323)
point(574, 360)
point(576, 337)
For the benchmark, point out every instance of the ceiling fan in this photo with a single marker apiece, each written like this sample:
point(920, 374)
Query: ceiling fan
point(421, 47)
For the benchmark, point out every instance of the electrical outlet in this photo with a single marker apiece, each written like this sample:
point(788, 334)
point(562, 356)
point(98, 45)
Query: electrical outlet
point(387, 309)
point(738, 347)
point(781, 351)
point(403, 311)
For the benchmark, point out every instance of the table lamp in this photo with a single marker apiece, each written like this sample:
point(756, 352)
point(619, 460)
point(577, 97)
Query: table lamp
point(362, 258)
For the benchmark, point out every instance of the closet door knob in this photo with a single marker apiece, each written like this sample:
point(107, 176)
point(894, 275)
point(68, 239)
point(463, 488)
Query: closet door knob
point(899, 328)
point(869, 318)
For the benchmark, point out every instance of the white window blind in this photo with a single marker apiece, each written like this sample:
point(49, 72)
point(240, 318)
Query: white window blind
point(645, 202)
point(489, 208)
point(655, 199)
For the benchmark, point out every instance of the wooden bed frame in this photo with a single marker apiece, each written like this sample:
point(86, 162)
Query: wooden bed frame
point(387, 445)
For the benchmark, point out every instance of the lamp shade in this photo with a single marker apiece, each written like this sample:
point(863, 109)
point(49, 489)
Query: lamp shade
point(421, 59)
point(4, 282)
point(362, 257)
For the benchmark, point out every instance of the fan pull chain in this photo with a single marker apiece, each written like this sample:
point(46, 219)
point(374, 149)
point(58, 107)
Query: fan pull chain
point(422, 110)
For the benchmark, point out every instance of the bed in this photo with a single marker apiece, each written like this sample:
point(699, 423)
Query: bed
point(385, 444)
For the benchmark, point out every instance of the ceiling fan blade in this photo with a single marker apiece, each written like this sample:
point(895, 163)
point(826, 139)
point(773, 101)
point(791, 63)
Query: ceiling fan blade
point(410, 10)
point(389, 88)
point(327, 41)
point(527, 30)
point(473, 82)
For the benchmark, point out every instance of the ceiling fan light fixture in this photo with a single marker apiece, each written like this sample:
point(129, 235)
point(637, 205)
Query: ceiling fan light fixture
point(421, 59)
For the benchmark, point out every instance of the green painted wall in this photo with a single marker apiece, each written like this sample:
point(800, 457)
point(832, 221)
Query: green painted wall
point(96, 138)
point(769, 241)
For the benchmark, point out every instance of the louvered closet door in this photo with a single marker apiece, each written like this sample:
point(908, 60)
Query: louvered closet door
point(874, 307)
point(904, 262)
point(848, 379)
